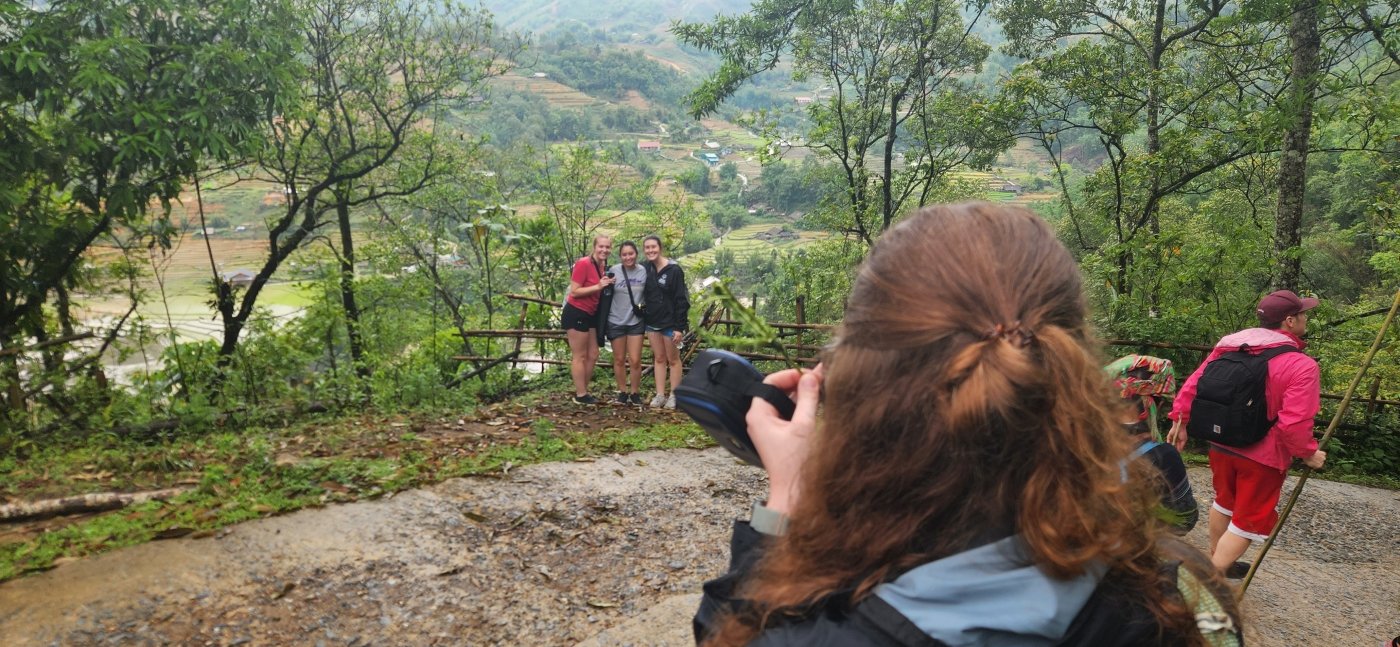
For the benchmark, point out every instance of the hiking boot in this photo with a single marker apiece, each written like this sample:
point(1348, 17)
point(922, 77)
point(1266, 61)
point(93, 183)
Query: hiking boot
point(659, 400)
point(1237, 571)
point(585, 399)
point(623, 398)
point(671, 401)
point(636, 398)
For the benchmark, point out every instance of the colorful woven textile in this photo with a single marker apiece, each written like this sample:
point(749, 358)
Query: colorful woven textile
point(1142, 375)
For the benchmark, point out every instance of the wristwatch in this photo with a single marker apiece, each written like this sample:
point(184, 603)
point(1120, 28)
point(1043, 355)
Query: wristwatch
point(767, 520)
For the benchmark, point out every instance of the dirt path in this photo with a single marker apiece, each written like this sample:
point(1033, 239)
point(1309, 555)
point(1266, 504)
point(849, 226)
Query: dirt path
point(608, 552)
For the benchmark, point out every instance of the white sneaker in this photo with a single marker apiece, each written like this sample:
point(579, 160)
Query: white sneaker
point(657, 401)
point(671, 401)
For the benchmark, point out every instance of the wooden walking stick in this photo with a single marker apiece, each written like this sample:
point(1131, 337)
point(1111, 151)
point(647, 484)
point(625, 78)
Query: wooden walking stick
point(1326, 436)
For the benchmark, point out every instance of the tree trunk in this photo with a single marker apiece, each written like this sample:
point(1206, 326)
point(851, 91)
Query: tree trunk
point(1293, 166)
point(347, 288)
point(887, 193)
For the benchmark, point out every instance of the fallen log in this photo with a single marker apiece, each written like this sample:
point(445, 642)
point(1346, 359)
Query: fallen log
point(95, 502)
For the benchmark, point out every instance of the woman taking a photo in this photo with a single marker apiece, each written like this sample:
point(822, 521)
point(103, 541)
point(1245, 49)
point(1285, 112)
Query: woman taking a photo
point(667, 318)
point(969, 484)
point(625, 326)
point(586, 284)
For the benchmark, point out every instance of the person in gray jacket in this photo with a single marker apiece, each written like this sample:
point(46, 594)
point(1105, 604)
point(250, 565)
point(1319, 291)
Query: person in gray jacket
point(625, 327)
point(966, 484)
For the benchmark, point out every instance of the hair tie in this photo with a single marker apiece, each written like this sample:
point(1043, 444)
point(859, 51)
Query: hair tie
point(1014, 334)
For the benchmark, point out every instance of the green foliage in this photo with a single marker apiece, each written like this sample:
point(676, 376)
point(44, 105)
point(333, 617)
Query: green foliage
point(727, 215)
point(370, 72)
point(821, 272)
point(728, 171)
point(107, 106)
point(241, 476)
point(898, 118)
point(1160, 142)
point(696, 180)
point(754, 332)
point(612, 73)
point(788, 187)
point(583, 193)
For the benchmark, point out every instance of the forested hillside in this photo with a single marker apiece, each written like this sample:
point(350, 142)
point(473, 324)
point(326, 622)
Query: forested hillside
point(223, 220)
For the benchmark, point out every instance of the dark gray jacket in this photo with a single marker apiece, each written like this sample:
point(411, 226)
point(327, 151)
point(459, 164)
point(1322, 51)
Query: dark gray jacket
point(984, 597)
point(667, 299)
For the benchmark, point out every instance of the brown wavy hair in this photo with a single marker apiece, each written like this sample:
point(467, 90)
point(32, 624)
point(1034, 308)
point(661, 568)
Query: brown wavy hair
point(964, 402)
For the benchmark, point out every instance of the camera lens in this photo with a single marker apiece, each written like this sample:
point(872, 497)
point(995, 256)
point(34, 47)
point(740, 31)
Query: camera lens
point(610, 275)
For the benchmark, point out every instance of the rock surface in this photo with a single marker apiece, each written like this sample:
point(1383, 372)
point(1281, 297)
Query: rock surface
point(608, 552)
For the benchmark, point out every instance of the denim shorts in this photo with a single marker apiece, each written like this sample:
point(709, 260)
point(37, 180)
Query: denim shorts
point(665, 332)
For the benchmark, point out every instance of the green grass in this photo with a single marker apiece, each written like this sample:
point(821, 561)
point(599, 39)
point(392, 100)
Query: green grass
point(236, 476)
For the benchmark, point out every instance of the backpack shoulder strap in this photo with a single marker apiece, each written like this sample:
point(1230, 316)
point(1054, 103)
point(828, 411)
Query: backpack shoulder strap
point(1216, 626)
point(1270, 353)
point(1144, 448)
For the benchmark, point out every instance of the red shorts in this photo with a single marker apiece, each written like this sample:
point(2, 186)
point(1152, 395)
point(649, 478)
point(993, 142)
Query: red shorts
point(1247, 492)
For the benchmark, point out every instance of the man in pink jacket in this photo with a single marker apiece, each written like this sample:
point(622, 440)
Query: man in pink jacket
point(1248, 480)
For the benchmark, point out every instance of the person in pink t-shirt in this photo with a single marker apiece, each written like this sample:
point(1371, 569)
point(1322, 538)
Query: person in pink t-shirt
point(1248, 480)
point(586, 285)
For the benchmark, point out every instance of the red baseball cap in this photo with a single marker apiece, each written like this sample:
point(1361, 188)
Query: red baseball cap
point(1277, 306)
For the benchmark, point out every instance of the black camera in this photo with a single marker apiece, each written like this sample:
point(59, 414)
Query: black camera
point(610, 275)
point(716, 394)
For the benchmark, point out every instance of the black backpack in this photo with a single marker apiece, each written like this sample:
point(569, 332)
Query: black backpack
point(1229, 408)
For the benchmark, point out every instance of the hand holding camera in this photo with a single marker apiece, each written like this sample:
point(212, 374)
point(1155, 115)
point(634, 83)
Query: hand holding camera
point(782, 443)
point(763, 421)
point(607, 280)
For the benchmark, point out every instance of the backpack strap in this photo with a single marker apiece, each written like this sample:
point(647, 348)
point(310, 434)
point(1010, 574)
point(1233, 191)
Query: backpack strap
point(1143, 449)
point(1216, 626)
point(1270, 353)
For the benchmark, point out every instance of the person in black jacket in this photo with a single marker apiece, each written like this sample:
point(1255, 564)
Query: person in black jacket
point(969, 484)
point(667, 317)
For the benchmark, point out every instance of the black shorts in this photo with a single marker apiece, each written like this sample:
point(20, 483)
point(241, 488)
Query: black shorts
point(575, 319)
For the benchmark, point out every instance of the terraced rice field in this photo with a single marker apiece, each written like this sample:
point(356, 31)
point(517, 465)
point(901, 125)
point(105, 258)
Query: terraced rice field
point(556, 93)
point(190, 314)
point(186, 264)
point(1025, 154)
point(730, 134)
point(745, 241)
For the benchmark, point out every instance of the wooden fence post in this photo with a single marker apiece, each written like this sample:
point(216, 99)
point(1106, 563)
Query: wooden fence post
point(1371, 406)
point(524, 310)
point(16, 389)
point(801, 316)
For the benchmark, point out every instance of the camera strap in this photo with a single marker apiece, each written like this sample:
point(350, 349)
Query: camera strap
point(628, 281)
point(774, 396)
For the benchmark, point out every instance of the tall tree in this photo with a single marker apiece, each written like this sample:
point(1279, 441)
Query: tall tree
point(1160, 89)
point(374, 76)
point(108, 106)
point(1304, 44)
point(1344, 53)
point(898, 117)
point(583, 191)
